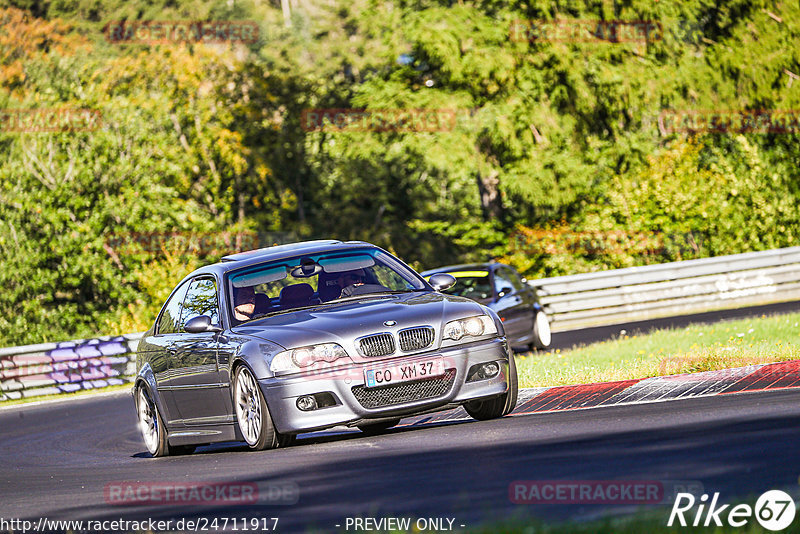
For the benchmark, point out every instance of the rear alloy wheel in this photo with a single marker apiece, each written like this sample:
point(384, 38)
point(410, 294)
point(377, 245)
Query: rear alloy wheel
point(541, 331)
point(151, 425)
point(376, 428)
point(252, 414)
point(498, 406)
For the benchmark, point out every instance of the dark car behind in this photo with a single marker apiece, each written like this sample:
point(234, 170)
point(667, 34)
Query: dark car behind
point(501, 288)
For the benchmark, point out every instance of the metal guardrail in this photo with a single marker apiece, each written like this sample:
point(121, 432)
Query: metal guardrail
point(572, 302)
point(668, 289)
point(53, 368)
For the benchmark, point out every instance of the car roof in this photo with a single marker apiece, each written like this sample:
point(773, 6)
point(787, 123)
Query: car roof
point(278, 252)
point(488, 266)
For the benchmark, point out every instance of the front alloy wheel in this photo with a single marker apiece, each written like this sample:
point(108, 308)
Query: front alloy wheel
point(255, 423)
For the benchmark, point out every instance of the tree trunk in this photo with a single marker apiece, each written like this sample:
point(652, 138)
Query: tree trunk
point(491, 203)
point(301, 212)
point(287, 13)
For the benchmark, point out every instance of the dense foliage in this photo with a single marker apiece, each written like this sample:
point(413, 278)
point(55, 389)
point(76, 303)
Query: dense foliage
point(555, 155)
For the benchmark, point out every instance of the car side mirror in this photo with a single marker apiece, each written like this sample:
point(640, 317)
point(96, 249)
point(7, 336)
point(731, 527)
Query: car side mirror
point(200, 324)
point(505, 291)
point(442, 281)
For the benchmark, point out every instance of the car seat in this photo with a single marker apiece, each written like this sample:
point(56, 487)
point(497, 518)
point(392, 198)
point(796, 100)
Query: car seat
point(296, 295)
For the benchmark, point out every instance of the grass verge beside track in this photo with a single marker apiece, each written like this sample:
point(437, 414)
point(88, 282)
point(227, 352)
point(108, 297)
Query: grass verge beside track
point(698, 347)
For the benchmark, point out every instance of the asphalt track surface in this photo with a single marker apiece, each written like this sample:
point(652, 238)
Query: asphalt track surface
point(57, 459)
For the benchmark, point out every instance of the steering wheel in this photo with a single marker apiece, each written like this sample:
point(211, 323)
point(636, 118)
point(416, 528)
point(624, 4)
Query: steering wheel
point(362, 289)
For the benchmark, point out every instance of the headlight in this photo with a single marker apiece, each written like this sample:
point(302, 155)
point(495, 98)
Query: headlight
point(480, 325)
point(302, 358)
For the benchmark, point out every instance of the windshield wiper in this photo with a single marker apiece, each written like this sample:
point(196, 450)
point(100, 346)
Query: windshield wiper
point(373, 294)
point(396, 291)
point(278, 312)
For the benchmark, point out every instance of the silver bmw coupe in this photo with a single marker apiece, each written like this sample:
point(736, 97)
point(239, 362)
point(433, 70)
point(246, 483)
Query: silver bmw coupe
point(295, 338)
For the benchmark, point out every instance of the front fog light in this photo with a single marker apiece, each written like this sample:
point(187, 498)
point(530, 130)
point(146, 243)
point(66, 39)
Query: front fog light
point(483, 371)
point(316, 401)
point(307, 403)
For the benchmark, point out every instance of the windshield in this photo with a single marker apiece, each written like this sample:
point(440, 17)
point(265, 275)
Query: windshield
point(314, 280)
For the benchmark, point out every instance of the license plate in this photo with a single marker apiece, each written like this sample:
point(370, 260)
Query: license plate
point(403, 372)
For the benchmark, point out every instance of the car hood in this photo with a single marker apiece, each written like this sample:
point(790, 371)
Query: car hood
point(343, 322)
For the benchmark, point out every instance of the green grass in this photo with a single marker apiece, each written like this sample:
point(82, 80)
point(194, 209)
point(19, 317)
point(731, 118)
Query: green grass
point(699, 347)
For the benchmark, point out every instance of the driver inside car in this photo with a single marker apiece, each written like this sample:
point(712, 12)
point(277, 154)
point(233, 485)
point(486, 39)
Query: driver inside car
point(351, 278)
point(359, 282)
point(244, 302)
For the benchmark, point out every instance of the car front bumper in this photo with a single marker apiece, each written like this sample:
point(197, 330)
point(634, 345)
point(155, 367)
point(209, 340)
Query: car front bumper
point(344, 384)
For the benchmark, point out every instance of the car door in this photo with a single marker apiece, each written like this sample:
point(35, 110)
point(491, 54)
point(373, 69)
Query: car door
point(512, 305)
point(162, 343)
point(196, 384)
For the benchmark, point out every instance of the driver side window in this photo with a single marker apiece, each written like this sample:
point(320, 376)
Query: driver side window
point(201, 299)
point(169, 322)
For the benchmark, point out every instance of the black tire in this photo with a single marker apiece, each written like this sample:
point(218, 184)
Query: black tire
point(483, 410)
point(377, 428)
point(542, 337)
point(252, 415)
point(151, 424)
point(513, 386)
